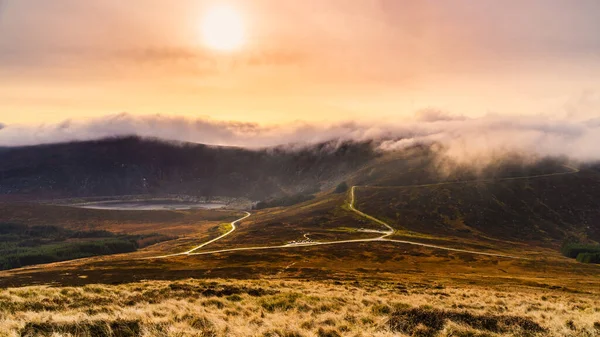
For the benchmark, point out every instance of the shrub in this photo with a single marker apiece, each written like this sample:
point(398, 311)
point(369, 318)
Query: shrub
point(215, 303)
point(281, 302)
point(205, 327)
point(589, 258)
point(328, 333)
point(381, 309)
point(234, 298)
point(24, 256)
point(116, 328)
point(572, 250)
point(22, 245)
point(277, 333)
point(429, 322)
point(584, 253)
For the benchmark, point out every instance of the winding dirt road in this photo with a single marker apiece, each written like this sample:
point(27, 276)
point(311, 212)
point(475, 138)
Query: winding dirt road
point(233, 228)
point(382, 238)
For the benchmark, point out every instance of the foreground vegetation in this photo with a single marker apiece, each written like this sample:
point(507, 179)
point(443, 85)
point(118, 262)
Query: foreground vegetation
point(22, 245)
point(293, 309)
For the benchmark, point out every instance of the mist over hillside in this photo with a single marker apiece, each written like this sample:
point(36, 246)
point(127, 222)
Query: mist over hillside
point(134, 165)
point(481, 139)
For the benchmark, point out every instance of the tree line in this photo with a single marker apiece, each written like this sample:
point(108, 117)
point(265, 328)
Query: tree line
point(22, 245)
point(585, 253)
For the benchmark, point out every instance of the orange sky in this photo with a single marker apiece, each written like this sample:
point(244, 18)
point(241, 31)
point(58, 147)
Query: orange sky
point(303, 60)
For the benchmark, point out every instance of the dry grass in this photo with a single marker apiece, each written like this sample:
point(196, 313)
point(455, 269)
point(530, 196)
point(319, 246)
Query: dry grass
point(294, 308)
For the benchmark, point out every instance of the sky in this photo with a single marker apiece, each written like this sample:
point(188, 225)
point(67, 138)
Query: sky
point(311, 61)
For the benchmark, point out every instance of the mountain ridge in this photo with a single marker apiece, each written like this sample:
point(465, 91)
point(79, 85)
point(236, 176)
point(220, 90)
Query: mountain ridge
point(134, 165)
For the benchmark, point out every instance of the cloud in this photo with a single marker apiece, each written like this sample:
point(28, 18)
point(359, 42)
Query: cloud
point(279, 56)
point(183, 129)
point(147, 64)
point(435, 115)
point(584, 105)
point(474, 140)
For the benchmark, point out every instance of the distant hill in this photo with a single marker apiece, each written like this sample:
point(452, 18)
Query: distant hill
point(543, 210)
point(540, 201)
point(547, 203)
point(132, 165)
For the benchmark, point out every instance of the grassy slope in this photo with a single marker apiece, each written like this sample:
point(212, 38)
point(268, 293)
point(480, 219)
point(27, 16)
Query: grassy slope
point(325, 218)
point(549, 290)
point(295, 308)
point(538, 212)
point(379, 260)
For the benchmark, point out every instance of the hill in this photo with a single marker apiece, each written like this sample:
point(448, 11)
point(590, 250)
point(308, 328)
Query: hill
point(469, 251)
point(541, 210)
point(516, 206)
point(131, 165)
point(546, 203)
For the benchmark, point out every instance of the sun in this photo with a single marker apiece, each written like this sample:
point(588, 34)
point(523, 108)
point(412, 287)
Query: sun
point(223, 28)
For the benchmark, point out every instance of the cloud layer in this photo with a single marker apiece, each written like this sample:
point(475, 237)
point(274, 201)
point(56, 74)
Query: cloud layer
point(300, 59)
point(464, 139)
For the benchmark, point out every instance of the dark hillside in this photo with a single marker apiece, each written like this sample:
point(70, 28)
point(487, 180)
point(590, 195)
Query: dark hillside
point(132, 165)
point(420, 165)
point(542, 210)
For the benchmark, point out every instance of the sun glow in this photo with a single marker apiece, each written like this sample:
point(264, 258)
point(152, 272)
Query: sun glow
point(223, 28)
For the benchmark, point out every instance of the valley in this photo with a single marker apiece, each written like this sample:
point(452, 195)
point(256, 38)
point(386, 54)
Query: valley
point(392, 224)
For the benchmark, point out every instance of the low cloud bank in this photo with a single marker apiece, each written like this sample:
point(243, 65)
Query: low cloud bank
point(463, 139)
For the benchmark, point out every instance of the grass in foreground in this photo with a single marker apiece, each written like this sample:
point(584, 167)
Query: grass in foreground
point(293, 309)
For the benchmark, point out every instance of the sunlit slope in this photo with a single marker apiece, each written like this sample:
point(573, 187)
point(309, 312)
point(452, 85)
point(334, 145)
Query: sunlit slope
point(255, 308)
point(326, 218)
